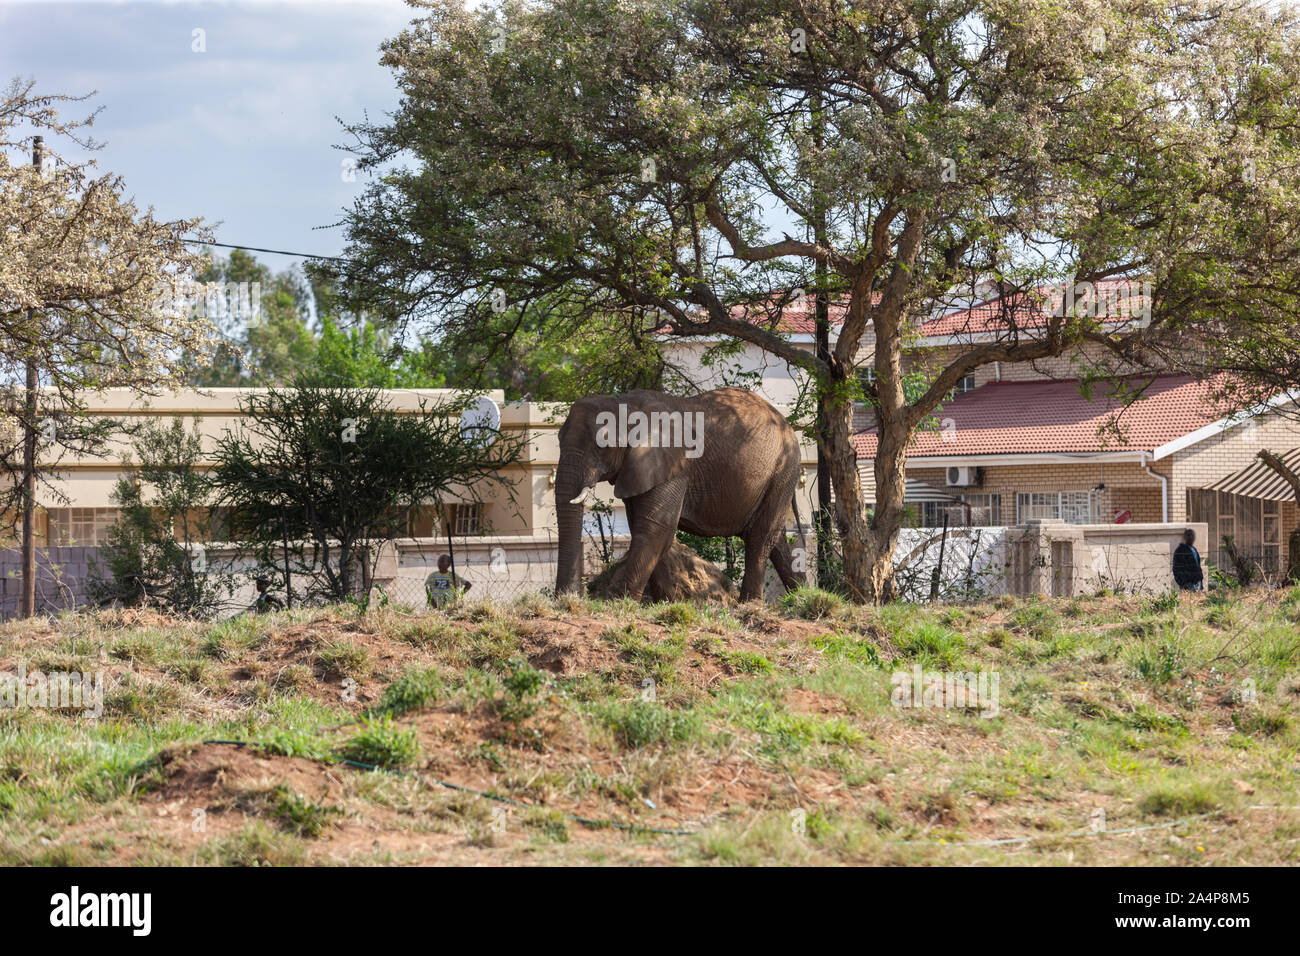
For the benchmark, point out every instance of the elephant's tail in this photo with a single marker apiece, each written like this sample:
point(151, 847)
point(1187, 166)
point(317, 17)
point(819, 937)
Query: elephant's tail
point(798, 521)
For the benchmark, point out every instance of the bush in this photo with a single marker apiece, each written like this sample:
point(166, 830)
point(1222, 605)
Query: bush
point(812, 604)
point(641, 723)
point(380, 744)
point(411, 691)
point(344, 659)
point(152, 556)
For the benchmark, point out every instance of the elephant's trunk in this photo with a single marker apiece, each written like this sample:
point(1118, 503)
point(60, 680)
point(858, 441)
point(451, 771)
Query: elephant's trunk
point(568, 486)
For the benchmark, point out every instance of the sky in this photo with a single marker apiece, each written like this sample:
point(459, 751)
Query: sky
point(242, 134)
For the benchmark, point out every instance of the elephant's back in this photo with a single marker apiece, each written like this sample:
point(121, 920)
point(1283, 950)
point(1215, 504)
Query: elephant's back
point(740, 403)
point(746, 430)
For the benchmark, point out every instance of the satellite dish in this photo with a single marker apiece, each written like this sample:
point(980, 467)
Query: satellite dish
point(480, 421)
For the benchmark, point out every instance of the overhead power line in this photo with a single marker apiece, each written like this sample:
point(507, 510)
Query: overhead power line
point(277, 252)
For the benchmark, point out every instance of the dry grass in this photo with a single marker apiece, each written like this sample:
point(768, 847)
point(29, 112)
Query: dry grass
point(770, 733)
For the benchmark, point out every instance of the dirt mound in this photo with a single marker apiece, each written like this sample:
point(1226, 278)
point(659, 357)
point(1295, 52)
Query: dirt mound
point(682, 575)
point(210, 774)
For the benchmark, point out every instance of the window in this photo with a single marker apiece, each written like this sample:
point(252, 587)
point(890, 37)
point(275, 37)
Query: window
point(966, 384)
point(467, 518)
point(219, 525)
point(70, 527)
point(970, 510)
point(1072, 507)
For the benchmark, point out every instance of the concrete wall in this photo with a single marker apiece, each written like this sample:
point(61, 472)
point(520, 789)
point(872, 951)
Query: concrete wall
point(60, 579)
point(1059, 560)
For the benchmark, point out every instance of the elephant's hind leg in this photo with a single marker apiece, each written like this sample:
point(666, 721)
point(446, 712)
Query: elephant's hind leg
point(781, 560)
point(761, 541)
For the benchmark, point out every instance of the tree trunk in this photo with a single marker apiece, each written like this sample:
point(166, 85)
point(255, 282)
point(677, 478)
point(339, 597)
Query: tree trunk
point(868, 547)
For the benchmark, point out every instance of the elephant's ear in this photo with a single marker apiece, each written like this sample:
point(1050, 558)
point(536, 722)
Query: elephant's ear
point(660, 458)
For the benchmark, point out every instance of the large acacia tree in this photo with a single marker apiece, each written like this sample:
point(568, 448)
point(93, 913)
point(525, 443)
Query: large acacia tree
point(691, 164)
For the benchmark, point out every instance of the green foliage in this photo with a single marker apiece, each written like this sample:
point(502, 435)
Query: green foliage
point(848, 647)
point(1159, 661)
point(932, 645)
point(747, 662)
point(812, 604)
point(344, 659)
point(651, 658)
point(523, 684)
point(413, 690)
point(678, 614)
point(729, 552)
point(641, 723)
point(155, 551)
point(538, 352)
point(381, 744)
point(337, 471)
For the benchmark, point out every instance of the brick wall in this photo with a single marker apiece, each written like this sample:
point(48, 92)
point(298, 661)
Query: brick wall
point(1217, 457)
point(1127, 486)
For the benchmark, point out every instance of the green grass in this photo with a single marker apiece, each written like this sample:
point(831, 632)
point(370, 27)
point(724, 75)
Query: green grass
point(412, 690)
point(344, 659)
point(1178, 717)
point(380, 743)
point(639, 723)
point(812, 604)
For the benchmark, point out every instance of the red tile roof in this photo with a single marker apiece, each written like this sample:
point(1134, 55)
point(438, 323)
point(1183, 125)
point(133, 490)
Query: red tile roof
point(1116, 299)
point(1053, 417)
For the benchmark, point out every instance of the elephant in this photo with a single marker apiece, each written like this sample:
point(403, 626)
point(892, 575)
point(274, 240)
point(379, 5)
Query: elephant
point(721, 463)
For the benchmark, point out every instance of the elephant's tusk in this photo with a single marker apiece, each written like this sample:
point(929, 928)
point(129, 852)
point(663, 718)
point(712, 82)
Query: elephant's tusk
point(581, 498)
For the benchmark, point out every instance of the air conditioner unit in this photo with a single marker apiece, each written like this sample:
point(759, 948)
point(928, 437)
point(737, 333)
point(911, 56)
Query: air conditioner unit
point(963, 477)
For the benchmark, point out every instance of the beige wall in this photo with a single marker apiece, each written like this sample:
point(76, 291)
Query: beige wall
point(525, 505)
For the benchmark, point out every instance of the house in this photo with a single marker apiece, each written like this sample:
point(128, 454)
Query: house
point(1047, 441)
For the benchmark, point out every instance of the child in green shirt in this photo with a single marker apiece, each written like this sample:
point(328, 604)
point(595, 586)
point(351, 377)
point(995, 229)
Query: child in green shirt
point(442, 586)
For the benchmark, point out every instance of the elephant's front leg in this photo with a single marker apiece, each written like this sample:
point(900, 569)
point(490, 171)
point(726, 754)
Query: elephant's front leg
point(652, 518)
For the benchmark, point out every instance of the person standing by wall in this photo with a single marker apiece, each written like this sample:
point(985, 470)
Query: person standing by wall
point(1188, 573)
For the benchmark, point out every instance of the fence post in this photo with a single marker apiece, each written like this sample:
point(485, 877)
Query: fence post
point(937, 575)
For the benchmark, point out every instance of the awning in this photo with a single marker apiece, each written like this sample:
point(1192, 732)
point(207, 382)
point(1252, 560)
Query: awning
point(919, 491)
point(1257, 480)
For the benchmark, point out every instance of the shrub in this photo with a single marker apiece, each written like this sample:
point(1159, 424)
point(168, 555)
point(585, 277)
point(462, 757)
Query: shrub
point(344, 659)
point(641, 723)
point(411, 691)
point(381, 744)
point(812, 604)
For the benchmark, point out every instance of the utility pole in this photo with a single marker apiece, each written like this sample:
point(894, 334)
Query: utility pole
point(29, 453)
